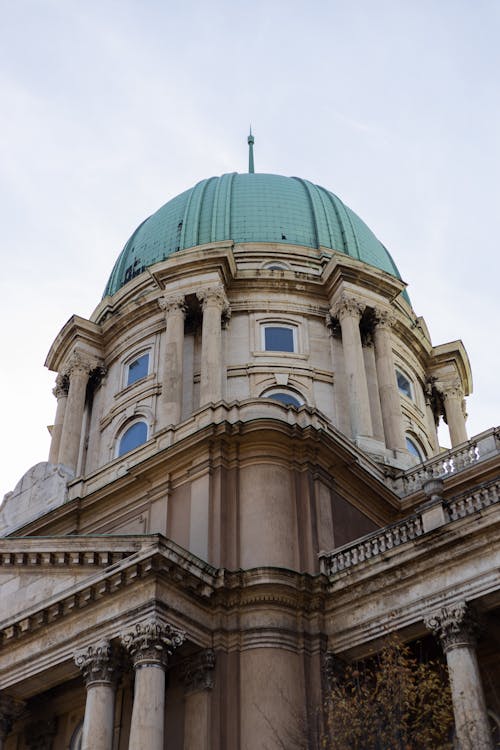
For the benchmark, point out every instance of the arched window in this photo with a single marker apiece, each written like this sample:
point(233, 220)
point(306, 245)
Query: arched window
point(286, 397)
point(76, 739)
point(135, 435)
point(414, 449)
point(404, 384)
point(137, 369)
point(276, 265)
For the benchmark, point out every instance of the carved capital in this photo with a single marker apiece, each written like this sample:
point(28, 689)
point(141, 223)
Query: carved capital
point(384, 318)
point(152, 642)
point(198, 672)
point(347, 307)
point(10, 710)
point(454, 391)
point(456, 626)
point(79, 362)
point(214, 296)
point(61, 387)
point(97, 663)
point(40, 734)
point(173, 303)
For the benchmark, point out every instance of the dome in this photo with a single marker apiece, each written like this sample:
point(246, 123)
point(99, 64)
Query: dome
point(249, 208)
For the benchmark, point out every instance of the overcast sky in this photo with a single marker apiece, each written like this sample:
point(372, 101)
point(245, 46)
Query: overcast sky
point(109, 109)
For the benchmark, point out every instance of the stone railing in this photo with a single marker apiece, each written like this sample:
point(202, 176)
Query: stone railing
point(410, 528)
point(452, 461)
point(372, 545)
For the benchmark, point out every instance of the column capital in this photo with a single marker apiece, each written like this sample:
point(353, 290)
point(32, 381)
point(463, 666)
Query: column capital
point(61, 387)
point(172, 303)
point(384, 318)
point(152, 642)
point(456, 625)
point(10, 710)
point(197, 673)
point(98, 663)
point(452, 391)
point(347, 306)
point(80, 362)
point(214, 295)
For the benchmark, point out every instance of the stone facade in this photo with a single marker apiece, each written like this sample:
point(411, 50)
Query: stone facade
point(183, 592)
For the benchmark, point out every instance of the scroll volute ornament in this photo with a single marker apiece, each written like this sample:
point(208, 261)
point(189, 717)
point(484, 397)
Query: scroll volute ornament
point(456, 625)
point(98, 663)
point(172, 302)
point(347, 306)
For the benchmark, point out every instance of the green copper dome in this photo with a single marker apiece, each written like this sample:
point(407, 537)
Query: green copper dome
point(249, 208)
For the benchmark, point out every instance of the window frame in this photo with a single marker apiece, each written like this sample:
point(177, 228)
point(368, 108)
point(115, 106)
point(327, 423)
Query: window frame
point(411, 388)
point(264, 325)
point(418, 451)
point(130, 361)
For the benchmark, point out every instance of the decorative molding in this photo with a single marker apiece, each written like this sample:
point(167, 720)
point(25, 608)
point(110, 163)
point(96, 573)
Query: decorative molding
point(152, 642)
point(347, 306)
point(454, 391)
point(456, 625)
point(197, 673)
point(170, 303)
point(98, 663)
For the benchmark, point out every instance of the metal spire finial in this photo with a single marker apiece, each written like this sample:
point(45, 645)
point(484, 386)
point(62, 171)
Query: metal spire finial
point(251, 141)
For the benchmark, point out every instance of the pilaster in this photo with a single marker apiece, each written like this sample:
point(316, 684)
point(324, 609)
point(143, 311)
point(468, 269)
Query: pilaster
point(215, 305)
point(198, 678)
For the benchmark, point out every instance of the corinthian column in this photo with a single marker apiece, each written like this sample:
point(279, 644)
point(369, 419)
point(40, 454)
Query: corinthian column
point(78, 370)
point(456, 627)
point(61, 393)
point(454, 409)
point(150, 644)
point(10, 710)
point(387, 384)
point(171, 396)
point(197, 675)
point(98, 666)
point(348, 311)
point(214, 304)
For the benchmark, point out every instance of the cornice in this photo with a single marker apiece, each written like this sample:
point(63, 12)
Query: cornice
point(80, 332)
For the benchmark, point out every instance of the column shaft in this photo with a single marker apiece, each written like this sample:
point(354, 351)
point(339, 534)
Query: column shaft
point(78, 370)
point(172, 387)
point(387, 384)
point(150, 644)
point(456, 626)
point(348, 311)
point(453, 399)
point(198, 682)
point(61, 393)
point(214, 302)
point(148, 713)
point(98, 723)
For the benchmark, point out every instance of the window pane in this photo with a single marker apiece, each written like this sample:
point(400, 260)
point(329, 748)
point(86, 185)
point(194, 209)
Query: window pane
point(285, 398)
point(138, 369)
point(136, 435)
point(404, 384)
point(278, 339)
point(412, 448)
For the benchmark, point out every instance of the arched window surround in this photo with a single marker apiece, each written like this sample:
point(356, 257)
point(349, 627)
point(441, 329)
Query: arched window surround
point(276, 391)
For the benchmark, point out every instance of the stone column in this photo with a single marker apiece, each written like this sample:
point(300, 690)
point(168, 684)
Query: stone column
point(456, 627)
point(61, 393)
point(10, 710)
point(78, 370)
point(348, 311)
point(454, 406)
point(150, 644)
point(387, 383)
point(214, 304)
point(98, 666)
point(171, 396)
point(197, 675)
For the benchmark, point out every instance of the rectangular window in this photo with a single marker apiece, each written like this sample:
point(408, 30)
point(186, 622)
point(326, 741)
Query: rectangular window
point(279, 338)
point(404, 384)
point(138, 369)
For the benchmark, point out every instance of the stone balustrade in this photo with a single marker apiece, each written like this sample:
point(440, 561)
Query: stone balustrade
point(483, 446)
point(410, 528)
